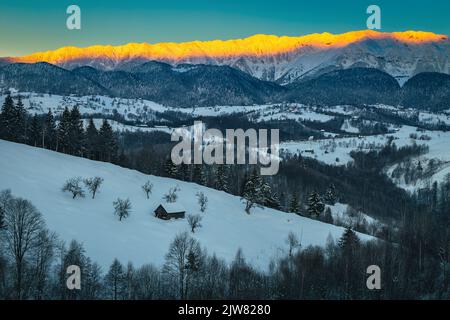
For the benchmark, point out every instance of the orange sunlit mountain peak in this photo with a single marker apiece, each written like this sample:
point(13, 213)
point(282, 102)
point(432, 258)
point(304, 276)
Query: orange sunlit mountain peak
point(256, 45)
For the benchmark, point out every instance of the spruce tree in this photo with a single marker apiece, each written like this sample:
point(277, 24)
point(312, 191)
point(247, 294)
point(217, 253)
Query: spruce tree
point(221, 178)
point(294, 205)
point(20, 122)
point(349, 241)
point(92, 140)
point(170, 169)
point(115, 281)
point(272, 201)
point(63, 142)
point(2, 217)
point(184, 172)
point(76, 133)
point(253, 192)
point(315, 205)
point(49, 131)
point(6, 119)
point(107, 143)
point(198, 175)
point(327, 216)
point(35, 134)
point(330, 195)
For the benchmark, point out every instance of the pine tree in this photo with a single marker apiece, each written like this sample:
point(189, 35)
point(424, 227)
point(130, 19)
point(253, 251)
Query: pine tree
point(170, 169)
point(107, 143)
point(76, 133)
point(294, 205)
point(272, 201)
point(315, 205)
point(63, 142)
point(92, 140)
point(2, 218)
point(75, 255)
point(49, 131)
point(198, 175)
point(349, 241)
point(116, 280)
point(330, 195)
point(6, 119)
point(35, 135)
point(327, 216)
point(221, 178)
point(20, 121)
point(184, 172)
point(253, 192)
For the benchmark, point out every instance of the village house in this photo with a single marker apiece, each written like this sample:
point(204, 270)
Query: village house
point(169, 211)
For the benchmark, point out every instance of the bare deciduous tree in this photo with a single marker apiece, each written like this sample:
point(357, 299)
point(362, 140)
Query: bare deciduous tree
point(202, 201)
point(147, 279)
point(293, 242)
point(147, 187)
point(73, 185)
point(42, 261)
point(182, 261)
point(122, 208)
point(23, 226)
point(93, 184)
point(194, 221)
point(172, 195)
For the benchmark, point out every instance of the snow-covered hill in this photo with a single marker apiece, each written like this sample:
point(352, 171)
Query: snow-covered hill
point(38, 175)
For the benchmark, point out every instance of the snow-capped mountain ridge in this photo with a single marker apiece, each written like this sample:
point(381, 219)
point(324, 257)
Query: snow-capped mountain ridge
point(273, 58)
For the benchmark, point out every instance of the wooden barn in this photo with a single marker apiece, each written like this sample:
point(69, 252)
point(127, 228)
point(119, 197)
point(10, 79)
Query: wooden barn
point(169, 211)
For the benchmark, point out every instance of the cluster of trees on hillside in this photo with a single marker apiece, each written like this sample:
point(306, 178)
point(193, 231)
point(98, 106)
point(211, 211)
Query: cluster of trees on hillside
point(414, 260)
point(302, 185)
point(34, 263)
point(290, 190)
point(66, 135)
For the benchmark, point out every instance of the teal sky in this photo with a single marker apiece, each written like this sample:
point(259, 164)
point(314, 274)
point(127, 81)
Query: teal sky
point(29, 26)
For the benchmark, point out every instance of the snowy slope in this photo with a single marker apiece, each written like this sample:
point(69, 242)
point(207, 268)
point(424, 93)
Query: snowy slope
point(38, 175)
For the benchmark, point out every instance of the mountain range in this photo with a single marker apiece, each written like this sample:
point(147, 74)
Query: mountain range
point(272, 58)
point(363, 67)
point(205, 85)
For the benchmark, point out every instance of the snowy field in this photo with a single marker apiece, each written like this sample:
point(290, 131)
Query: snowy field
point(328, 150)
point(38, 175)
point(120, 127)
point(144, 110)
point(337, 152)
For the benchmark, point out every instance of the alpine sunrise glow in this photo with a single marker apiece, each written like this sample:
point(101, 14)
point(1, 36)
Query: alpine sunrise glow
point(258, 45)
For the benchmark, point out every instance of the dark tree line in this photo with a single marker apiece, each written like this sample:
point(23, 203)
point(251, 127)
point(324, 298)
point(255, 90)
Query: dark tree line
point(64, 134)
point(33, 264)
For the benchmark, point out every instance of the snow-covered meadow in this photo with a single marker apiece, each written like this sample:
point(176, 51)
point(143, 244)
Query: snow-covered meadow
point(38, 175)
